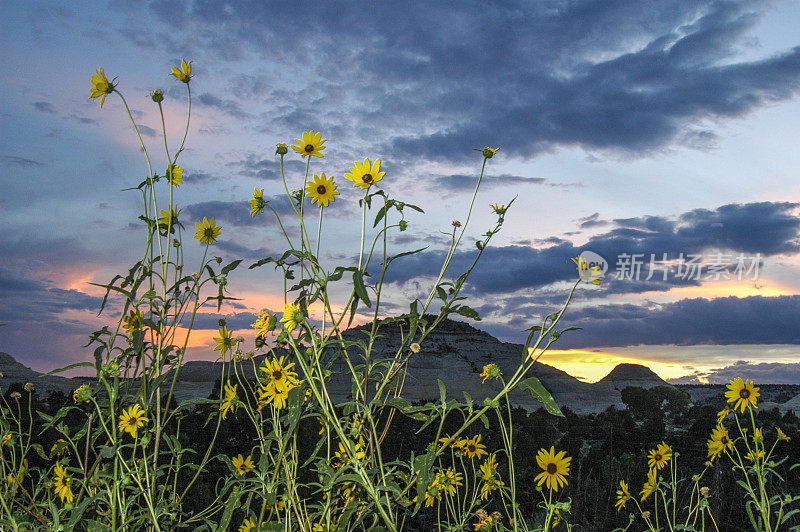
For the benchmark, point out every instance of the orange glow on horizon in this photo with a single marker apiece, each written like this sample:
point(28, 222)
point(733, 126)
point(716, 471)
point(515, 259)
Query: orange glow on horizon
point(715, 289)
point(591, 366)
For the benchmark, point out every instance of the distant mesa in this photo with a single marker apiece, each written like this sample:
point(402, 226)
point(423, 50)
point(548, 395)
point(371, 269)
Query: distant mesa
point(625, 375)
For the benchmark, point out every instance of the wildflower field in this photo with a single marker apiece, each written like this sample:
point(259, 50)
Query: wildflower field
point(273, 450)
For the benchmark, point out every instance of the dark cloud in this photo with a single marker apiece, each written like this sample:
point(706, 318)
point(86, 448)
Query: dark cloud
point(21, 161)
point(32, 300)
point(147, 131)
point(760, 373)
point(592, 220)
point(266, 169)
point(725, 320)
point(461, 182)
point(237, 320)
point(238, 212)
point(229, 107)
point(45, 107)
point(619, 76)
point(81, 119)
point(743, 230)
point(198, 177)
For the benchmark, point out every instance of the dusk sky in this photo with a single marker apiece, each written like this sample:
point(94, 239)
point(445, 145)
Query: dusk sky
point(631, 129)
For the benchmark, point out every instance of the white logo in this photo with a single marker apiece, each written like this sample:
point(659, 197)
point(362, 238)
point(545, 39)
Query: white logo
point(592, 266)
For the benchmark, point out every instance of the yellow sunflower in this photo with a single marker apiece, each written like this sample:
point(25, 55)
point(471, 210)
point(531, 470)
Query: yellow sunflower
point(264, 324)
point(247, 525)
point(782, 435)
point(100, 86)
point(257, 204)
point(649, 486)
point(660, 456)
point(225, 341)
point(207, 231)
point(473, 448)
point(753, 456)
point(448, 481)
point(341, 457)
point(592, 274)
point(720, 442)
point(281, 377)
point(174, 174)
point(82, 393)
point(311, 143)
point(491, 482)
point(231, 401)
point(758, 436)
point(60, 447)
point(742, 394)
point(242, 464)
point(433, 493)
point(183, 74)
point(491, 371)
point(555, 468)
point(62, 484)
point(279, 399)
point(722, 414)
point(292, 316)
point(458, 443)
point(168, 221)
point(623, 494)
point(322, 190)
point(132, 321)
point(131, 419)
point(365, 174)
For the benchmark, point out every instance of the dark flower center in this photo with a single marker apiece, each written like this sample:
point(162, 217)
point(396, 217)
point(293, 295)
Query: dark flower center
point(724, 440)
point(321, 189)
point(745, 393)
point(209, 232)
point(657, 457)
point(309, 148)
point(471, 448)
point(367, 178)
point(552, 468)
point(277, 375)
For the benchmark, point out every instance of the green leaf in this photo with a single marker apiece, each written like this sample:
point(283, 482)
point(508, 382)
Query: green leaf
point(230, 266)
point(442, 390)
point(422, 468)
point(468, 312)
point(441, 293)
point(233, 503)
point(403, 254)
point(380, 215)
point(540, 393)
point(413, 319)
point(71, 366)
point(361, 290)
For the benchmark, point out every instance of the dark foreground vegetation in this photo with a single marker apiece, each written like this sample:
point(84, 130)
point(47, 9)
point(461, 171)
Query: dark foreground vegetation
point(604, 447)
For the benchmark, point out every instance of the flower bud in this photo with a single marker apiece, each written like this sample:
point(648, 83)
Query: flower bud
point(280, 148)
point(157, 96)
point(489, 152)
point(704, 491)
point(16, 395)
point(415, 347)
point(29, 387)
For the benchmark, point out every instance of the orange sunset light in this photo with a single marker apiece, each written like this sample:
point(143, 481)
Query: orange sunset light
point(713, 289)
point(591, 366)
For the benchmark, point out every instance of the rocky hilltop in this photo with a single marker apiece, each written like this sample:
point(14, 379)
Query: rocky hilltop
point(454, 353)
